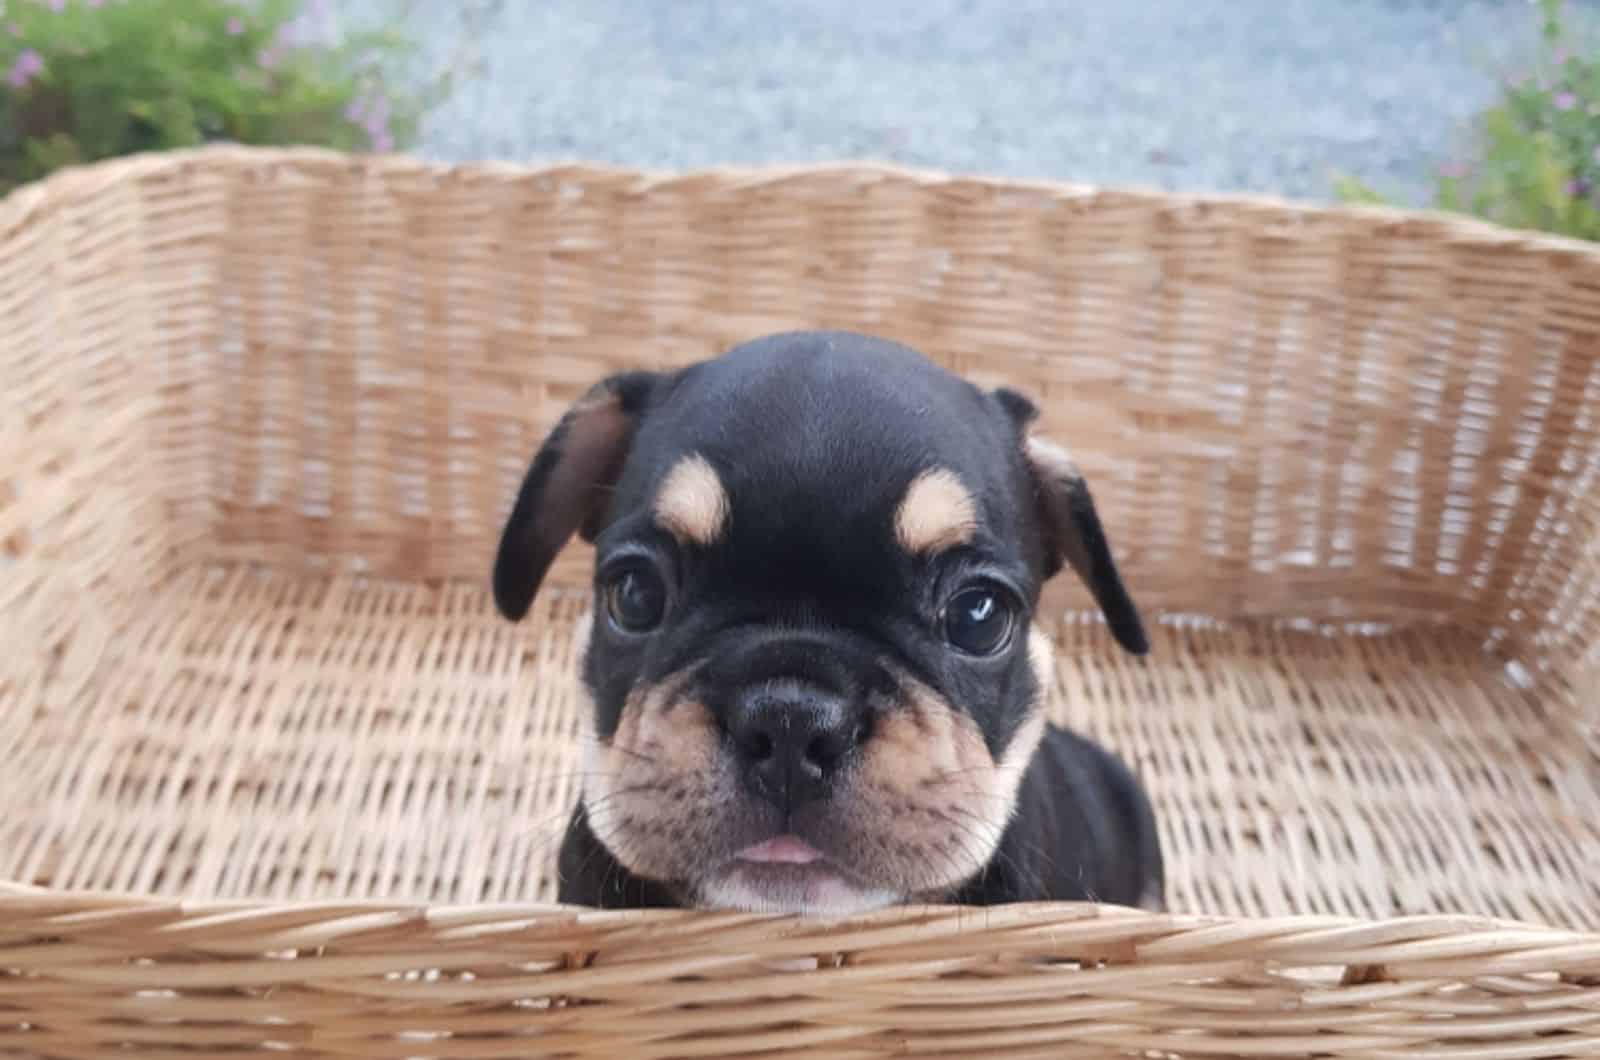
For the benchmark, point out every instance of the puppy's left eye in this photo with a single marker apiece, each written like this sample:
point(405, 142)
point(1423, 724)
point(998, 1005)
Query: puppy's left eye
point(636, 600)
point(978, 620)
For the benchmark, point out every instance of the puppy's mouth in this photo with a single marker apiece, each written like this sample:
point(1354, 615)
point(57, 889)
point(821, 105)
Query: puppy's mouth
point(780, 850)
point(786, 874)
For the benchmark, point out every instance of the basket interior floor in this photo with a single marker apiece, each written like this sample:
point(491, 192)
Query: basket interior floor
point(265, 735)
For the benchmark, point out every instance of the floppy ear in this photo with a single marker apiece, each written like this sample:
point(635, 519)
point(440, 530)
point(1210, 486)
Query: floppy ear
point(1071, 526)
point(568, 485)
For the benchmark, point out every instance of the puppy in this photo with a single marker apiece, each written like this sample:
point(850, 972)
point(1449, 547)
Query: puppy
point(814, 682)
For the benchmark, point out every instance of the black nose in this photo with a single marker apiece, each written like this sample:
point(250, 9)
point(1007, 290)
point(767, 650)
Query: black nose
point(791, 738)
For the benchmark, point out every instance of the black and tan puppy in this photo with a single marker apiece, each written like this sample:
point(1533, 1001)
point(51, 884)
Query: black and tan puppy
point(815, 682)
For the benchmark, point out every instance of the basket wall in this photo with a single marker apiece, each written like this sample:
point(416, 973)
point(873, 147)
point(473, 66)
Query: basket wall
point(1288, 413)
point(262, 414)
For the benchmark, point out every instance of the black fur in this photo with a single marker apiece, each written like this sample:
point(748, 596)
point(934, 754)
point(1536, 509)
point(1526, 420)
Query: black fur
point(815, 436)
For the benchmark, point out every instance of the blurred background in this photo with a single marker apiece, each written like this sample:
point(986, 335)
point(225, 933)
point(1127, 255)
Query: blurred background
point(1254, 95)
point(1491, 106)
point(1275, 96)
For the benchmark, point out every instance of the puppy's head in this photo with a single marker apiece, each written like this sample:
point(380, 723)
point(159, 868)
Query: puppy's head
point(815, 684)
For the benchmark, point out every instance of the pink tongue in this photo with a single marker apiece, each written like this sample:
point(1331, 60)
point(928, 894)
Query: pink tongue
point(781, 850)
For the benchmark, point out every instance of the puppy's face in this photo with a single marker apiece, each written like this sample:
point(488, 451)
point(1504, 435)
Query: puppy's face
point(814, 679)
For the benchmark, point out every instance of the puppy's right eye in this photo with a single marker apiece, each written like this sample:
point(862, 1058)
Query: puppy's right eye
point(636, 600)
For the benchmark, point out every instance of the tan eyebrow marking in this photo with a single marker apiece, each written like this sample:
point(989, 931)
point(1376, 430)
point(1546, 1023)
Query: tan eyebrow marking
point(936, 513)
point(692, 504)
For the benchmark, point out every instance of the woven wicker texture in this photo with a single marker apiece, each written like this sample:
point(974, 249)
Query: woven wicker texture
point(262, 414)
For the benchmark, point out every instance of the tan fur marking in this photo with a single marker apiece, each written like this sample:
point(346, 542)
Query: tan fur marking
point(936, 513)
point(693, 505)
point(912, 748)
point(1016, 758)
point(928, 772)
point(644, 789)
point(676, 740)
point(1018, 754)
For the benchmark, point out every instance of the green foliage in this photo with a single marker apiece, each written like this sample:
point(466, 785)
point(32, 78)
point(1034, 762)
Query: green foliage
point(92, 79)
point(1534, 159)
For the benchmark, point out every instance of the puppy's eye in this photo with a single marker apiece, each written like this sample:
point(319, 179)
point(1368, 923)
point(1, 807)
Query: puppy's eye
point(636, 600)
point(978, 620)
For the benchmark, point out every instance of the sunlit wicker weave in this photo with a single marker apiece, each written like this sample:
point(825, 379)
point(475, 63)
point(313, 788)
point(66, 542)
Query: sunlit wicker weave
point(272, 771)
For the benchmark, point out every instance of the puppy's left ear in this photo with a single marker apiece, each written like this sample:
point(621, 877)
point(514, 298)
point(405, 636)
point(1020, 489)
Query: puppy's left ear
point(567, 488)
point(1071, 526)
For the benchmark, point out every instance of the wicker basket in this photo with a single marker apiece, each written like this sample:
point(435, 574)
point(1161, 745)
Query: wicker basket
point(274, 778)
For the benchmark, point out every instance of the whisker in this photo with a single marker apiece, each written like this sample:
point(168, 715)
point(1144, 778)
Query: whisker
point(969, 853)
point(545, 821)
point(998, 854)
point(1051, 865)
point(631, 753)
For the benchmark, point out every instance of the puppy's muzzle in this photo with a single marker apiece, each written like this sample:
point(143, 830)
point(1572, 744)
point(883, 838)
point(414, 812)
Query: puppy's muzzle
point(790, 737)
point(795, 708)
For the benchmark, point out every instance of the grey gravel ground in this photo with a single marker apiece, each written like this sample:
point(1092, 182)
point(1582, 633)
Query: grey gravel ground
point(1233, 95)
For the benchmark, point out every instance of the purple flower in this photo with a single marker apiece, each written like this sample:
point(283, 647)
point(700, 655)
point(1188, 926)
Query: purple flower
point(28, 64)
point(377, 113)
point(1565, 101)
point(306, 27)
point(16, 30)
point(1577, 189)
point(270, 56)
point(1454, 170)
point(58, 5)
point(1560, 56)
point(371, 112)
point(235, 26)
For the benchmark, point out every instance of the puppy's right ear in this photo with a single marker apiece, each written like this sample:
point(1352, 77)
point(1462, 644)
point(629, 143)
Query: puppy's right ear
point(1072, 529)
point(568, 486)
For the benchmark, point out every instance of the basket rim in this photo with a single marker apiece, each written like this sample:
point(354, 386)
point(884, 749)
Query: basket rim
point(21, 203)
point(324, 936)
point(21, 897)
